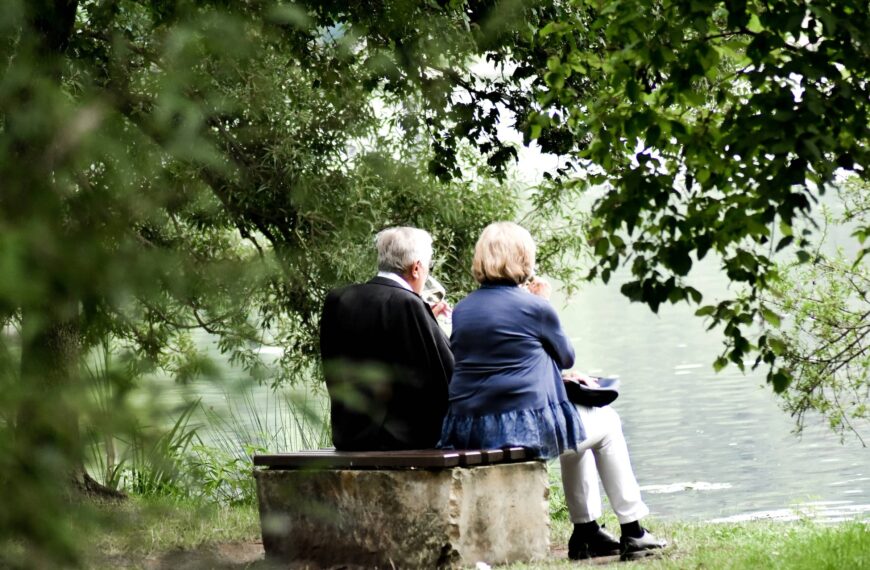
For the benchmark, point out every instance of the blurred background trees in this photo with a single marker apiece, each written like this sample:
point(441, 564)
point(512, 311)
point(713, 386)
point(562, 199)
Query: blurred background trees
point(176, 166)
point(171, 167)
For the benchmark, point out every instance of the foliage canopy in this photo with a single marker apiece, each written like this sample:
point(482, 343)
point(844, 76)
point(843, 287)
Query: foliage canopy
point(177, 165)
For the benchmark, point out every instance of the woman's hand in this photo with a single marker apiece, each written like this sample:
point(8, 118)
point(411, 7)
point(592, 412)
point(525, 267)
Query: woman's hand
point(540, 287)
point(571, 376)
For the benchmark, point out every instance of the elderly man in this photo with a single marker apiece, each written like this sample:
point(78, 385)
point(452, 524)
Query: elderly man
point(386, 361)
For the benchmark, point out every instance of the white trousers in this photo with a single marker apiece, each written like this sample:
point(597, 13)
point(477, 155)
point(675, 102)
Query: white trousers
point(603, 454)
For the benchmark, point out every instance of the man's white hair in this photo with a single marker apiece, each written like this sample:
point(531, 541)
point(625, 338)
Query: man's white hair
point(398, 248)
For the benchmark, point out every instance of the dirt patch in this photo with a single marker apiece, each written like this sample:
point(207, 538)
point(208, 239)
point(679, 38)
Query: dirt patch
point(560, 553)
point(224, 556)
point(239, 555)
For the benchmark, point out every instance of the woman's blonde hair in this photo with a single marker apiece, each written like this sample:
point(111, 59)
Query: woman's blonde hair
point(505, 251)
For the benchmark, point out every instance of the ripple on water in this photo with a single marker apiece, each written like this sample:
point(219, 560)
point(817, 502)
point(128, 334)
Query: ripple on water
point(819, 511)
point(848, 481)
point(687, 486)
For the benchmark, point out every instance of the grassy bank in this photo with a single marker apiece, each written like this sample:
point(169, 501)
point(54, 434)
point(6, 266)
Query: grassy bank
point(159, 533)
point(803, 545)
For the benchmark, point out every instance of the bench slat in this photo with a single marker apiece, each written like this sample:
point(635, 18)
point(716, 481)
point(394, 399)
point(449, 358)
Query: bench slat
point(469, 458)
point(515, 453)
point(493, 456)
point(420, 458)
point(339, 459)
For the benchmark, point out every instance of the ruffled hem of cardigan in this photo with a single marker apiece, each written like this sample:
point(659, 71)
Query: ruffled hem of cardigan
point(547, 431)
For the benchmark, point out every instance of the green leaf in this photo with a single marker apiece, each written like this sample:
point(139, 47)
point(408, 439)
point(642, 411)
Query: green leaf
point(776, 345)
point(780, 380)
point(784, 242)
point(289, 14)
point(555, 79)
point(552, 28)
point(554, 63)
point(754, 24)
point(678, 260)
point(653, 134)
point(770, 317)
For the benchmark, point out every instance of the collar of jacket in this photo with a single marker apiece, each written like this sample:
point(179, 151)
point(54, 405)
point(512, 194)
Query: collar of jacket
point(377, 280)
point(498, 283)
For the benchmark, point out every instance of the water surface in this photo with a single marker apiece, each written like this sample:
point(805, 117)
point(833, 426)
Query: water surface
point(706, 445)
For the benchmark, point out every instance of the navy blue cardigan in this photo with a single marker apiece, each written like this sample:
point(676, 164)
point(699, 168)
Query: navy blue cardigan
point(506, 389)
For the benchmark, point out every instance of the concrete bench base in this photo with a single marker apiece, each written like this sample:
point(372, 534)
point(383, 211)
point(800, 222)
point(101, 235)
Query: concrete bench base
point(413, 518)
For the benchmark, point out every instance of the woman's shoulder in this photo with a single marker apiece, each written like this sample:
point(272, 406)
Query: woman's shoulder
point(489, 295)
point(495, 304)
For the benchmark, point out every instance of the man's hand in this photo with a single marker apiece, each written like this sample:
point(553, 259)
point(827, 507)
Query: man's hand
point(441, 308)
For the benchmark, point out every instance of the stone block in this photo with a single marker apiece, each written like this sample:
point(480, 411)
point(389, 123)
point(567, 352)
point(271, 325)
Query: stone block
point(412, 518)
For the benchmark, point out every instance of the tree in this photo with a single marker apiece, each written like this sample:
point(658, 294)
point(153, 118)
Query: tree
point(824, 342)
point(183, 164)
point(173, 166)
point(712, 128)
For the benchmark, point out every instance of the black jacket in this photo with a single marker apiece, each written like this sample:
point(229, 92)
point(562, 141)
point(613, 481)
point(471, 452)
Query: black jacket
point(387, 366)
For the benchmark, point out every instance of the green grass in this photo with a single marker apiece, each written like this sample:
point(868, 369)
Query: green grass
point(777, 545)
point(145, 532)
point(145, 529)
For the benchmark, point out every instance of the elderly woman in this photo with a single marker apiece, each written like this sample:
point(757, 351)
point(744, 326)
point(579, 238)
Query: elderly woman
point(507, 390)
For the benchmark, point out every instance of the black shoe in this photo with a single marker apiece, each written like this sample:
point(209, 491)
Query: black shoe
point(631, 548)
point(599, 543)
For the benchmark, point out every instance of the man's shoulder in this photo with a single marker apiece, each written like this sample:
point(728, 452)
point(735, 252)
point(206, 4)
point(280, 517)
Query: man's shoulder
point(377, 287)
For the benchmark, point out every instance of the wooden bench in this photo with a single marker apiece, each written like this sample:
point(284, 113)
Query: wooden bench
point(403, 509)
point(412, 459)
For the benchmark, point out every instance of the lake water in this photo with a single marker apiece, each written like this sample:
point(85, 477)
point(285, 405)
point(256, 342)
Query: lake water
point(705, 445)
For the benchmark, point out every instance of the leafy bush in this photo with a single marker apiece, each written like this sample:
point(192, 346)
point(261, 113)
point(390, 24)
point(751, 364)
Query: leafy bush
point(223, 477)
point(558, 506)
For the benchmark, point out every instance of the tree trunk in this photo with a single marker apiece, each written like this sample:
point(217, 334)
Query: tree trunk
point(48, 419)
point(47, 423)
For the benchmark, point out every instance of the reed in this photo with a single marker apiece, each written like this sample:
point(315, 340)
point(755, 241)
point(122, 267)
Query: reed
point(280, 421)
point(192, 451)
